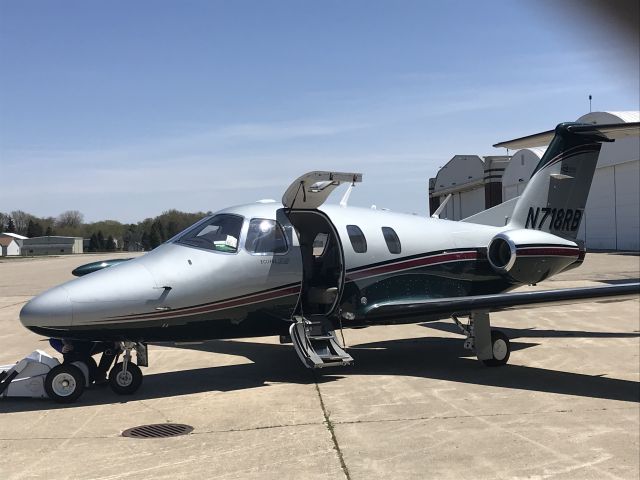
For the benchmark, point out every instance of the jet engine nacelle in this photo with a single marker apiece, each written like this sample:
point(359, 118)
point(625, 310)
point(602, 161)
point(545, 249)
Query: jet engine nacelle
point(530, 256)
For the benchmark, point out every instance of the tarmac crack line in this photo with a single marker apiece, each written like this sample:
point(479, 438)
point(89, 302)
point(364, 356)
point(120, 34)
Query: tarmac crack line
point(156, 410)
point(195, 432)
point(488, 415)
point(12, 305)
point(330, 427)
point(333, 423)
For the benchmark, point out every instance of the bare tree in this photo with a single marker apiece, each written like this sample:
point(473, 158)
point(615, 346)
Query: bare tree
point(69, 219)
point(4, 221)
point(21, 221)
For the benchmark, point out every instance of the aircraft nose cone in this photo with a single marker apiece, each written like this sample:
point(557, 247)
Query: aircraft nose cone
point(49, 309)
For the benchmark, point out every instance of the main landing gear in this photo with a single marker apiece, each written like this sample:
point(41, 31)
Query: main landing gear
point(491, 346)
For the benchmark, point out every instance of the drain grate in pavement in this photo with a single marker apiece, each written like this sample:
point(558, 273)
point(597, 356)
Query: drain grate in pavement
point(158, 430)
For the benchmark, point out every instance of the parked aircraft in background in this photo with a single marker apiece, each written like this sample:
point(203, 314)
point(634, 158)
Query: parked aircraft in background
point(306, 269)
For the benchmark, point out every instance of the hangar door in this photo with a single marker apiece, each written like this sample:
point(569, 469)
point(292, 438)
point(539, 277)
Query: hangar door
point(612, 217)
point(463, 204)
point(598, 228)
point(627, 177)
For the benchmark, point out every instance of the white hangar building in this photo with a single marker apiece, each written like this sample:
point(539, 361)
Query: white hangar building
point(612, 214)
point(474, 185)
point(51, 245)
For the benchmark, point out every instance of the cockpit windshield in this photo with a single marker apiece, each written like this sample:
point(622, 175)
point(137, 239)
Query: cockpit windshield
point(220, 233)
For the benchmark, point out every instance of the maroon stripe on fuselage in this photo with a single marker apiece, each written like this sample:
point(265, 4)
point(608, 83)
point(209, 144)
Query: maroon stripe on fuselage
point(220, 305)
point(413, 263)
point(356, 274)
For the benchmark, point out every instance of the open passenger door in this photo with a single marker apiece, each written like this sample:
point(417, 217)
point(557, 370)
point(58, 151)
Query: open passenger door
point(312, 331)
point(312, 189)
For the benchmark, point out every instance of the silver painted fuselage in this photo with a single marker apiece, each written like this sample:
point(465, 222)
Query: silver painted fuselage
point(181, 292)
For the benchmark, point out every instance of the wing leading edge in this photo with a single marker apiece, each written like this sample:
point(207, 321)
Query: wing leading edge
point(503, 301)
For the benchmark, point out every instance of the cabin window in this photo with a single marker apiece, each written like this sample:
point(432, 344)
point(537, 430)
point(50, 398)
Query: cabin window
point(265, 237)
point(220, 233)
point(391, 237)
point(358, 242)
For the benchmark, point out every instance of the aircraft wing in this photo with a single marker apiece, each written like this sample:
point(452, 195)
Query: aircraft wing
point(503, 301)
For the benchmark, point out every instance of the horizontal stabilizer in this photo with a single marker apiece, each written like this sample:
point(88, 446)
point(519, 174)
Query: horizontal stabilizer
point(497, 216)
point(613, 131)
point(502, 301)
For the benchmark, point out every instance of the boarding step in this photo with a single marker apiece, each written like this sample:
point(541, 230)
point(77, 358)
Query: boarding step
point(316, 344)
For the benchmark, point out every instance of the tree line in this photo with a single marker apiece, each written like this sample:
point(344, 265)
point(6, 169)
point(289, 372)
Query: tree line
point(105, 235)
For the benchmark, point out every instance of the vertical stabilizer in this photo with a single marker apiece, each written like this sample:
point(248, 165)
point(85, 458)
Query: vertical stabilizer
point(556, 195)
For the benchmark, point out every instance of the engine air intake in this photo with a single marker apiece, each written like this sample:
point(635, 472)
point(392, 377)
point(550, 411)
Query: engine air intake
point(501, 253)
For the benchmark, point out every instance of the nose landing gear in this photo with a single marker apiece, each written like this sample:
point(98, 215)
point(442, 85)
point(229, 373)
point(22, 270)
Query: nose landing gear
point(125, 377)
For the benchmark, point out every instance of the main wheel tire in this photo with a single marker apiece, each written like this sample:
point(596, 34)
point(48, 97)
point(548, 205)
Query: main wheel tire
point(501, 349)
point(64, 383)
point(125, 383)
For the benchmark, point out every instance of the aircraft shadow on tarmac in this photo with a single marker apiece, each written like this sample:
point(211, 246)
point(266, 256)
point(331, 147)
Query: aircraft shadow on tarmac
point(514, 333)
point(430, 357)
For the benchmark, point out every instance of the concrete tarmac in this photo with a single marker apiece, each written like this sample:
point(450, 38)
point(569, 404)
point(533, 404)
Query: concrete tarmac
point(414, 405)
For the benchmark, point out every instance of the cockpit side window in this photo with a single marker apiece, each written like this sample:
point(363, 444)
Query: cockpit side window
point(358, 241)
point(219, 233)
point(265, 236)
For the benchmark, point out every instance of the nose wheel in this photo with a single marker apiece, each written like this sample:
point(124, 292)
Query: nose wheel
point(125, 377)
point(125, 382)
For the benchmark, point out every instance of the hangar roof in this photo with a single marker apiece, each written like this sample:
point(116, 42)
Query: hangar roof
point(14, 235)
point(6, 241)
point(628, 116)
point(461, 172)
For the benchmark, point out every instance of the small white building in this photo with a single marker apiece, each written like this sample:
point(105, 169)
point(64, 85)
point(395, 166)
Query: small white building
point(9, 247)
point(51, 245)
point(11, 243)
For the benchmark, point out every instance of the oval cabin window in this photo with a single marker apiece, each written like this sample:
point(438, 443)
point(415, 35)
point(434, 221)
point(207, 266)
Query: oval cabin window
point(392, 239)
point(358, 242)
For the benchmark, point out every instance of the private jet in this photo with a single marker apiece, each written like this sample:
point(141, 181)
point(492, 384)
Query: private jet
point(303, 269)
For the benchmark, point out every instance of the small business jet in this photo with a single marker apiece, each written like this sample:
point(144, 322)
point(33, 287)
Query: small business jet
point(302, 269)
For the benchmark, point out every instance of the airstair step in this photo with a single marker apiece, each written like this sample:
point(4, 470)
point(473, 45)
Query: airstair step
point(320, 337)
point(317, 350)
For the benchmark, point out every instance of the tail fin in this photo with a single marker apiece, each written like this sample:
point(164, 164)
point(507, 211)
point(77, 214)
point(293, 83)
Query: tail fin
point(555, 197)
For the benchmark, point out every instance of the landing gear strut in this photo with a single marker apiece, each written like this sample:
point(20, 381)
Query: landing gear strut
point(125, 377)
point(491, 346)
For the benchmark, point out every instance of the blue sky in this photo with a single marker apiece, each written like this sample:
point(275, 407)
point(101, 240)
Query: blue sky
point(125, 109)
